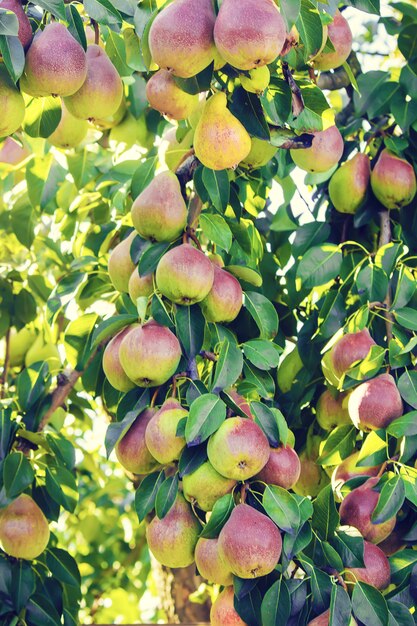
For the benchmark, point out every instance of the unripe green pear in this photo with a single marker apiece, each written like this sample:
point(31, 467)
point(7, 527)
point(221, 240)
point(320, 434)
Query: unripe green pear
point(223, 612)
point(19, 344)
point(340, 35)
point(349, 350)
point(225, 298)
point(161, 432)
point(24, 530)
point(348, 185)
point(332, 410)
point(120, 265)
point(159, 213)
point(348, 469)
point(377, 571)
point(112, 367)
point(257, 81)
point(282, 468)
point(393, 180)
point(209, 564)
point(140, 286)
point(165, 96)
point(172, 539)
point(12, 105)
point(375, 403)
point(185, 275)
point(70, 131)
point(132, 452)
point(260, 154)
point(325, 151)
point(312, 477)
point(288, 369)
point(41, 351)
point(205, 486)
point(25, 29)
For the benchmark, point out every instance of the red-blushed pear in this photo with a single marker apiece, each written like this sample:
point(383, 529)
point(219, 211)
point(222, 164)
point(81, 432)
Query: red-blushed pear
point(24, 530)
point(12, 105)
point(238, 449)
point(352, 175)
point(173, 538)
point(249, 33)
point(70, 131)
point(161, 432)
point(121, 266)
point(209, 564)
point(394, 542)
point(349, 469)
point(224, 300)
point(140, 286)
point(25, 29)
point(250, 543)
point(376, 572)
point(357, 508)
point(375, 403)
point(165, 96)
point(181, 37)
point(112, 367)
point(393, 180)
point(150, 354)
point(332, 411)
point(159, 213)
point(324, 620)
point(131, 450)
point(184, 275)
point(283, 468)
point(325, 151)
point(240, 401)
point(312, 477)
point(216, 259)
point(340, 35)
point(350, 349)
point(205, 486)
point(223, 612)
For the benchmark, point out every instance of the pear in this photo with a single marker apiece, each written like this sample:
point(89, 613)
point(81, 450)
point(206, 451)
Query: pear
point(332, 410)
point(120, 265)
point(161, 432)
point(70, 131)
point(24, 530)
point(12, 105)
point(223, 612)
point(111, 121)
point(377, 571)
point(25, 29)
point(348, 185)
point(260, 154)
point(42, 351)
point(184, 275)
point(12, 153)
point(150, 354)
point(240, 401)
point(249, 33)
point(393, 181)
point(288, 369)
point(181, 37)
point(205, 486)
point(312, 477)
point(209, 564)
point(172, 540)
point(340, 35)
point(172, 151)
point(102, 91)
point(349, 350)
point(220, 140)
point(238, 449)
point(19, 344)
point(257, 81)
point(324, 620)
point(140, 286)
point(165, 96)
point(349, 469)
point(131, 450)
point(375, 403)
point(216, 259)
point(250, 543)
point(131, 131)
point(325, 151)
point(111, 363)
point(159, 213)
point(225, 298)
point(55, 63)
point(283, 468)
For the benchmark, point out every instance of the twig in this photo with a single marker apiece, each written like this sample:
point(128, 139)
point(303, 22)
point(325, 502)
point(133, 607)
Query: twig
point(6, 365)
point(210, 356)
point(185, 171)
point(384, 239)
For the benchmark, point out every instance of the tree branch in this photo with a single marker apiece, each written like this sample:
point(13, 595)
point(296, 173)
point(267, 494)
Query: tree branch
point(384, 239)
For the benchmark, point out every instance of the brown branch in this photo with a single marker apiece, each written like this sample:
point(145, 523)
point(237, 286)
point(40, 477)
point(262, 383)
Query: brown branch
point(210, 356)
point(384, 239)
point(185, 171)
point(297, 98)
point(6, 365)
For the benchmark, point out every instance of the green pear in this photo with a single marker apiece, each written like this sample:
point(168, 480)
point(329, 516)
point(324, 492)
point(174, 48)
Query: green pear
point(257, 81)
point(120, 265)
point(42, 351)
point(223, 612)
point(288, 369)
point(348, 185)
point(225, 298)
point(19, 344)
point(205, 486)
point(112, 367)
point(165, 96)
point(12, 105)
point(375, 403)
point(70, 131)
point(393, 180)
point(131, 131)
point(328, 370)
point(140, 286)
point(340, 35)
point(24, 530)
point(332, 410)
point(132, 452)
point(161, 432)
point(25, 29)
point(184, 275)
point(260, 154)
point(312, 477)
point(209, 564)
point(325, 151)
point(349, 350)
point(283, 468)
point(377, 571)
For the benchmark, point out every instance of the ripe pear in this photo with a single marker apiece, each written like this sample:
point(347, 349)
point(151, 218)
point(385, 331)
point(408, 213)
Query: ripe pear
point(340, 35)
point(120, 265)
point(349, 469)
point(216, 259)
point(350, 349)
point(332, 411)
point(312, 477)
point(325, 151)
point(42, 351)
point(288, 369)
point(12, 153)
point(393, 181)
point(172, 539)
point(25, 29)
point(55, 63)
point(283, 468)
point(377, 570)
point(131, 451)
point(209, 564)
point(185, 275)
point(357, 508)
point(24, 530)
point(165, 96)
point(223, 612)
point(111, 363)
point(12, 105)
point(159, 213)
point(161, 432)
point(70, 131)
point(150, 354)
point(354, 176)
point(260, 154)
point(250, 543)
point(324, 620)
point(19, 344)
point(205, 486)
point(140, 286)
point(375, 403)
point(220, 140)
point(102, 91)
point(257, 81)
point(238, 449)
point(225, 298)
point(249, 33)
point(181, 37)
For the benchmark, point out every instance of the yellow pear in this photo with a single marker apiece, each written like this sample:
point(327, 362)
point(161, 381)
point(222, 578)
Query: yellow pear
point(165, 96)
point(120, 265)
point(260, 153)
point(20, 343)
point(70, 131)
point(12, 105)
point(257, 81)
point(24, 530)
point(43, 351)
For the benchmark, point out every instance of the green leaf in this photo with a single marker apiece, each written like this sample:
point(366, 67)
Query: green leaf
point(61, 486)
point(407, 386)
point(263, 312)
point(319, 265)
point(219, 516)
point(369, 605)
point(228, 366)
point(116, 430)
point(190, 324)
point(406, 317)
point(218, 187)
point(191, 459)
point(63, 566)
point(259, 381)
point(143, 175)
point(339, 444)
point(103, 12)
point(290, 10)
point(13, 56)
point(18, 474)
point(310, 28)
point(217, 230)
point(282, 508)
point(22, 583)
point(390, 500)
point(9, 24)
point(350, 548)
point(207, 413)
point(404, 426)
point(272, 423)
point(151, 257)
point(32, 383)
point(325, 518)
point(372, 282)
point(42, 116)
point(248, 110)
point(340, 607)
point(145, 495)
point(198, 83)
point(23, 221)
point(110, 328)
point(56, 7)
point(263, 354)
point(166, 496)
point(399, 614)
point(276, 604)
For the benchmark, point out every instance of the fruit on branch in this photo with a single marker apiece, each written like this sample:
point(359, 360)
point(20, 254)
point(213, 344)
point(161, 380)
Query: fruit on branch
point(283, 467)
point(240, 401)
point(121, 266)
point(250, 543)
point(102, 91)
point(393, 180)
point(25, 29)
point(172, 539)
point(223, 612)
point(220, 140)
point(288, 369)
point(159, 213)
point(150, 354)
point(375, 403)
point(111, 121)
point(131, 131)
point(112, 367)
point(161, 432)
point(376, 571)
point(140, 286)
point(19, 344)
point(257, 81)
point(44, 351)
point(209, 564)
point(353, 176)
point(312, 477)
point(225, 298)
point(185, 275)
point(394, 542)
point(340, 36)
point(70, 131)
point(332, 411)
point(55, 64)
point(12, 105)
point(216, 259)
point(205, 486)
point(165, 96)
point(349, 350)
point(249, 33)
point(238, 449)
point(181, 37)
point(325, 151)
point(260, 154)
point(357, 508)
point(131, 451)
point(349, 469)
point(24, 530)
point(324, 620)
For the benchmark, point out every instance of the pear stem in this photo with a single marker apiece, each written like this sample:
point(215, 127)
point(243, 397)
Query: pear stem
point(243, 491)
point(5, 366)
point(96, 32)
point(154, 397)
